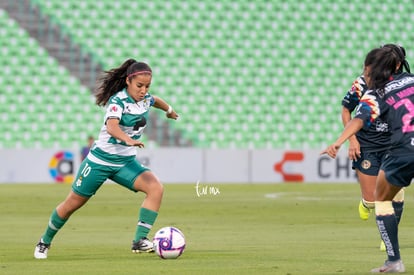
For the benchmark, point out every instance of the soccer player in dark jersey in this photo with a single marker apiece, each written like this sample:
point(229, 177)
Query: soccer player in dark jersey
point(368, 146)
point(391, 97)
point(123, 91)
point(85, 149)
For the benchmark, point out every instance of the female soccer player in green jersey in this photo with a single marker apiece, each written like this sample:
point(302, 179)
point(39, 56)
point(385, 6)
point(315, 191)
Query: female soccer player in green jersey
point(124, 93)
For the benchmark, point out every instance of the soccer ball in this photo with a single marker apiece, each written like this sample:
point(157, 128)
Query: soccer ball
point(169, 242)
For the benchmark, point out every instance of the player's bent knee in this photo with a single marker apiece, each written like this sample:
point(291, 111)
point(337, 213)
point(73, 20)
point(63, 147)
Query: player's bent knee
point(157, 188)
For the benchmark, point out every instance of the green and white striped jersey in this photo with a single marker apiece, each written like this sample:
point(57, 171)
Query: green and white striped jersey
point(132, 117)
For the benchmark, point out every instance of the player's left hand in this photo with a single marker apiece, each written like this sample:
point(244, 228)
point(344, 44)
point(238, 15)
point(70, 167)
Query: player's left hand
point(354, 150)
point(172, 115)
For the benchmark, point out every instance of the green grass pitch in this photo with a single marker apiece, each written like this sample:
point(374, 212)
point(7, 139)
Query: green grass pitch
point(230, 229)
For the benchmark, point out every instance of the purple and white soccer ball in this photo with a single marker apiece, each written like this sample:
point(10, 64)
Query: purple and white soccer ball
point(169, 242)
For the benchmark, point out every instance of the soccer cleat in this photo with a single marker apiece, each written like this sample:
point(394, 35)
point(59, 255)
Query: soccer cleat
point(41, 250)
point(390, 267)
point(143, 245)
point(363, 211)
point(382, 246)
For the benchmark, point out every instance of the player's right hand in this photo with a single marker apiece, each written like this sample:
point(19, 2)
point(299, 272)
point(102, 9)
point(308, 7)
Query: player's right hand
point(331, 150)
point(136, 143)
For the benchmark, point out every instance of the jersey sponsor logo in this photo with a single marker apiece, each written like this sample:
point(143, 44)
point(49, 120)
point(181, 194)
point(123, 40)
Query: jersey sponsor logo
point(113, 109)
point(381, 126)
point(141, 122)
point(398, 84)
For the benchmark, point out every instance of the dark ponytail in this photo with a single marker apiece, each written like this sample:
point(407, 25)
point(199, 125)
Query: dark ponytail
point(406, 66)
point(400, 51)
point(112, 81)
point(382, 66)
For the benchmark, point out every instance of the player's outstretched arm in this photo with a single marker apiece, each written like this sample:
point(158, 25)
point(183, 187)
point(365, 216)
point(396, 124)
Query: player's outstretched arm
point(353, 126)
point(163, 105)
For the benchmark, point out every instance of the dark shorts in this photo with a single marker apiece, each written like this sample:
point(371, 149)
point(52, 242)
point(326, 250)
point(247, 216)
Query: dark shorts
point(369, 163)
point(399, 170)
point(92, 175)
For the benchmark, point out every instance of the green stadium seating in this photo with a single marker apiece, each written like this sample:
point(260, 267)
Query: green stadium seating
point(39, 98)
point(242, 74)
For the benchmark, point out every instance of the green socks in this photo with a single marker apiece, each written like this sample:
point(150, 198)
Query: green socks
point(55, 223)
point(146, 220)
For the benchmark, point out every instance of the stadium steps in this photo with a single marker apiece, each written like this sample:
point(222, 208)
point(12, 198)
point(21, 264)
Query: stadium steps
point(50, 37)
